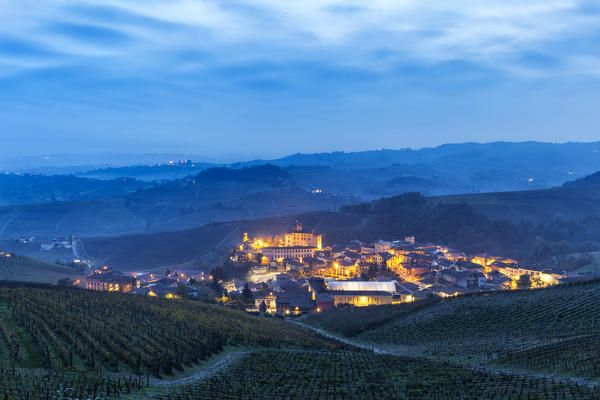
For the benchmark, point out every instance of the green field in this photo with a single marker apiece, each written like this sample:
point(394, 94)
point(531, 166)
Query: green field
point(25, 269)
point(554, 330)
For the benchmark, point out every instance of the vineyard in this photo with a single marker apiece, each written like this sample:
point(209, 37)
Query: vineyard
point(87, 344)
point(15, 384)
point(72, 330)
point(280, 374)
point(552, 330)
point(25, 269)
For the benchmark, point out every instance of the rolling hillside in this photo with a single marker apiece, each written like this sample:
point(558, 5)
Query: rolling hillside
point(364, 375)
point(83, 338)
point(25, 269)
point(553, 330)
point(446, 169)
point(85, 344)
point(147, 251)
point(454, 223)
point(569, 202)
point(256, 192)
point(40, 188)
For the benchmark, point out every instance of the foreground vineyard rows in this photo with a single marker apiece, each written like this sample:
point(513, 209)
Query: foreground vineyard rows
point(118, 346)
point(279, 374)
point(73, 329)
point(553, 330)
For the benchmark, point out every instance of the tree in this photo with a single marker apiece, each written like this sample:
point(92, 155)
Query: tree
point(63, 282)
point(247, 296)
point(218, 288)
point(524, 282)
point(182, 290)
point(262, 307)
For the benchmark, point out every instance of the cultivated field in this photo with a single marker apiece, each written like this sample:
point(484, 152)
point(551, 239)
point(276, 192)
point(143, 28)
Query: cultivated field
point(552, 330)
point(25, 269)
point(69, 329)
point(363, 375)
point(76, 344)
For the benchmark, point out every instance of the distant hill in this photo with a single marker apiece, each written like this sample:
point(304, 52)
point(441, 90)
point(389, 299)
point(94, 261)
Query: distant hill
point(23, 188)
point(592, 180)
point(570, 201)
point(25, 269)
point(149, 172)
point(455, 224)
point(250, 191)
point(488, 166)
point(213, 195)
point(260, 173)
point(454, 168)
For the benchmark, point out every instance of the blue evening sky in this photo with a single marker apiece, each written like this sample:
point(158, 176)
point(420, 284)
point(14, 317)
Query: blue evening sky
point(272, 77)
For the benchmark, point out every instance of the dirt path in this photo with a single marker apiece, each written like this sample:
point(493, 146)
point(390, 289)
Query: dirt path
point(493, 370)
point(17, 215)
point(204, 373)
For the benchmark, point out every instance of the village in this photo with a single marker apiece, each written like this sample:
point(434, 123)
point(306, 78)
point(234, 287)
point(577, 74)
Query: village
point(295, 273)
point(303, 276)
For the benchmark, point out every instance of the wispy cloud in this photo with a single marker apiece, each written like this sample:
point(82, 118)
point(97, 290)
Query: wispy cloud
point(493, 32)
point(290, 65)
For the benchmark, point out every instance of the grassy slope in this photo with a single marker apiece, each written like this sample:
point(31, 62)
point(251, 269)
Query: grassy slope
point(134, 252)
point(25, 269)
point(533, 205)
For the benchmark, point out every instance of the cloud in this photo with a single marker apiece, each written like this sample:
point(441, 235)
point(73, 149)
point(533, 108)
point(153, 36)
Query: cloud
point(275, 45)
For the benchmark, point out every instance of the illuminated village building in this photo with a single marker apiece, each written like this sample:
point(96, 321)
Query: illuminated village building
point(462, 278)
point(270, 303)
point(281, 253)
point(105, 279)
point(300, 238)
point(363, 274)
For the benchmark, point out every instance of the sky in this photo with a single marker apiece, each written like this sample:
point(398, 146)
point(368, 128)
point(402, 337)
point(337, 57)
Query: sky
point(273, 77)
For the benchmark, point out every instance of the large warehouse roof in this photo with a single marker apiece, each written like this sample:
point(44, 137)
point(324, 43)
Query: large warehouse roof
point(388, 286)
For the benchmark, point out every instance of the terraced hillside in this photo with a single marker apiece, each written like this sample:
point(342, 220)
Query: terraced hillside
point(25, 269)
point(555, 330)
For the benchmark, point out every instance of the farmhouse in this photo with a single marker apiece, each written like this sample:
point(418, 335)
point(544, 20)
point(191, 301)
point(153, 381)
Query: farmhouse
point(463, 279)
point(109, 281)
